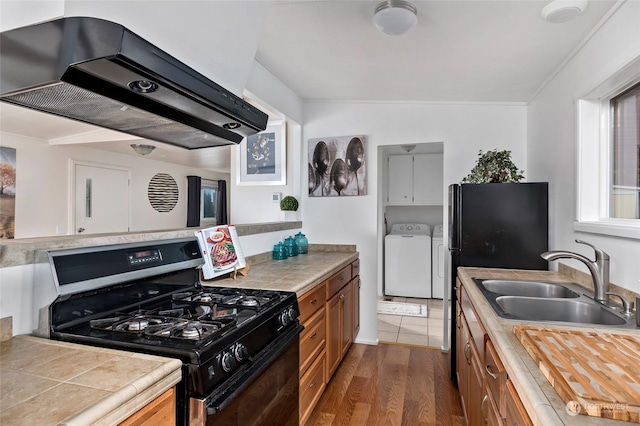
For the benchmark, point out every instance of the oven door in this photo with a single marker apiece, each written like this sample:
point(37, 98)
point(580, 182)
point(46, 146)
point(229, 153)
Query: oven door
point(264, 394)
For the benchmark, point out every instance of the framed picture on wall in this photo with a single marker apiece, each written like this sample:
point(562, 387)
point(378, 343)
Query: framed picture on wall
point(263, 157)
point(337, 166)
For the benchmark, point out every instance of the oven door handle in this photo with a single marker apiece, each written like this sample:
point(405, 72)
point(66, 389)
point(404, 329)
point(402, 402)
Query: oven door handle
point(223, 397)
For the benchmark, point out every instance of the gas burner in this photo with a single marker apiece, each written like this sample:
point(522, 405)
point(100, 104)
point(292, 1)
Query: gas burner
point(196, 330)
point(250, 301)
point(126, 324)
point(192, 331)
point(204, 298)
point(136, 325)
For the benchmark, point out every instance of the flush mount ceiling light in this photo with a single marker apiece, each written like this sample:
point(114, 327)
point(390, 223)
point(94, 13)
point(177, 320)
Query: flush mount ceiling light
point(142, 149)
point(408, 148)
point(559, 11)
point(395, 17)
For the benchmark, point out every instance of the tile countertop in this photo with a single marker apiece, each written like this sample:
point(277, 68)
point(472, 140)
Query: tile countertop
point(48, 382)
point(542, 402)
point(299, 273)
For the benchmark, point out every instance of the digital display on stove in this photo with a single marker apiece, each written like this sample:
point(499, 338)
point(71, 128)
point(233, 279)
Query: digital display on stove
point(144, 257)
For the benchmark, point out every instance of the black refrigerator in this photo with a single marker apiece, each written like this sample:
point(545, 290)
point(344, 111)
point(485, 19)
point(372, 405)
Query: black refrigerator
point(495, 225)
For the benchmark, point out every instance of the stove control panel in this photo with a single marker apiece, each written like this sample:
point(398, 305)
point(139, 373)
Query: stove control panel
point(144, 257)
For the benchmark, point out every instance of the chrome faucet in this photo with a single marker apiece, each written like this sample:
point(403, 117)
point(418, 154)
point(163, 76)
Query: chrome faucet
point(599, 268)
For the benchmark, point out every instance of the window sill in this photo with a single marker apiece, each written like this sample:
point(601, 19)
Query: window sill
point(631, 231)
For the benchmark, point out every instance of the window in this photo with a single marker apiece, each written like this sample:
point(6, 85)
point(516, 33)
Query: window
point(609, 156)
point(208, 201)
point(625, 155)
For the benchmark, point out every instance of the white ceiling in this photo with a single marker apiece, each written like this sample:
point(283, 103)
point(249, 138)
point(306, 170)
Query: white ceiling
point(460, 51)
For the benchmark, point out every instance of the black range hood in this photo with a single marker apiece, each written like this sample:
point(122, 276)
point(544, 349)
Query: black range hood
point(99, 72)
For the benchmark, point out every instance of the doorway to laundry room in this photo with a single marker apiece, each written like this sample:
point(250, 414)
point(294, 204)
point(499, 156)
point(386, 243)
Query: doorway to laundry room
point(411, 208)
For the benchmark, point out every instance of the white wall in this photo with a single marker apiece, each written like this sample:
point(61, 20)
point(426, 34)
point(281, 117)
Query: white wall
point(552, 139)
point(43, 185)
point(465, 129)
point(252, 204)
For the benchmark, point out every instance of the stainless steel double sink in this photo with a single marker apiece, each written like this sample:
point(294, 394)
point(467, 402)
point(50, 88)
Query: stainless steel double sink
point(549, 302)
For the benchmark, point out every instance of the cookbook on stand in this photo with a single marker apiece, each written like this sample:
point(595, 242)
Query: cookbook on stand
point(220, 247)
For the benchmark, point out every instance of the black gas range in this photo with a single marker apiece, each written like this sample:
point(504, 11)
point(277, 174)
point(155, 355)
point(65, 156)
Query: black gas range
point(146, 297)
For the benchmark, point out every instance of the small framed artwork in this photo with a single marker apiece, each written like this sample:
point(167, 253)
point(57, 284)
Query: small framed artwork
point(337, 166)
point(263, 157)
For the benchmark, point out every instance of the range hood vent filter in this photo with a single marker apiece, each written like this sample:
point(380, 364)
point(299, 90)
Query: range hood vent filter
point(184, 109)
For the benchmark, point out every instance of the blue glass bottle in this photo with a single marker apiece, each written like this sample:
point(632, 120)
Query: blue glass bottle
point(291, 246)
point(302, 243)
point(279, 252)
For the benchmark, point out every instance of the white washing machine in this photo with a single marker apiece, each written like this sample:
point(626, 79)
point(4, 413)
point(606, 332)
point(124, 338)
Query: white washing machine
point(407, 261)
point(437, 263)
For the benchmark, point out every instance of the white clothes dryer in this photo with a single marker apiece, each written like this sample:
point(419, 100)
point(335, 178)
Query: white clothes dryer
point(437, 263)
point(407, 263)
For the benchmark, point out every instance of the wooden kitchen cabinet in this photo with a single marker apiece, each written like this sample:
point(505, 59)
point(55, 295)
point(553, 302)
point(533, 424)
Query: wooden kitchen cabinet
point(415, 179)
point(356, 306)
point(313, 378)
point(471, 356)
point(469, 373)
point(515, 413)
point(159, 412)
point(312, 340)
point(486, 393)
point(330, 314)
point(312, 384)
point(339, 327)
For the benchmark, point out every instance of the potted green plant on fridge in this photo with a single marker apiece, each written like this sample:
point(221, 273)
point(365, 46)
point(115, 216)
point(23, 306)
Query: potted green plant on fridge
point(494, 167)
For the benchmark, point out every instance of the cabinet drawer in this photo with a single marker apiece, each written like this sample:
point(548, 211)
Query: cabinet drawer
point(355, 268)
point(312, 340)
point(495, 376)
point(310, 302)
point(339, 280)
point(476, 330)
point(311, 387)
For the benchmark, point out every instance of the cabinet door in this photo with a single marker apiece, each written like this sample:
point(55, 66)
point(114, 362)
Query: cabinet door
point(356, 306)
point(516, 414)
point(400, 179)
point(475, 394)
point(347, 317)
point(334, 326)
point(427, 179)
point(463, 362)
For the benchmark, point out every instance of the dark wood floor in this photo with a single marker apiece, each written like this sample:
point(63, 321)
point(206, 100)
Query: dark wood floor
point(390, 384)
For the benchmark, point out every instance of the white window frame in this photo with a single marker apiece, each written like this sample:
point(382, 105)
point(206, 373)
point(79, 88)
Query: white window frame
point(594, 157)
point(207, 184)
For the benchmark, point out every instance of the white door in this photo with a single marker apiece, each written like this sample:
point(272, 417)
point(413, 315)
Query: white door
point(102, 199)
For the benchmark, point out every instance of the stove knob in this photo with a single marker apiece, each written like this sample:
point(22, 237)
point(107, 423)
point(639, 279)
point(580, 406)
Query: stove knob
point(227, 362)
point(293, 314)
point(240, 352)
point(285, 319)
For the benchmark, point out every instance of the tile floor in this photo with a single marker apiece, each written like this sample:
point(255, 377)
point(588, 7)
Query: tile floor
point(425, 331)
